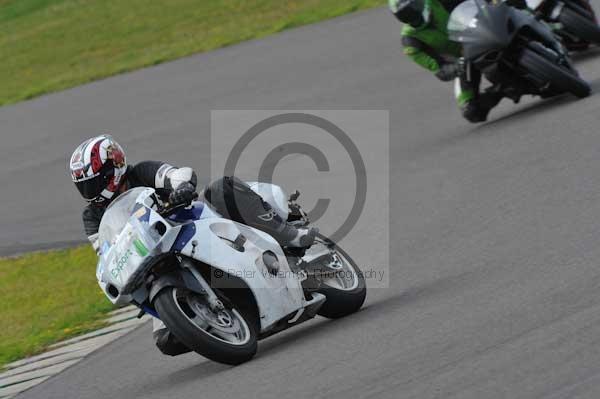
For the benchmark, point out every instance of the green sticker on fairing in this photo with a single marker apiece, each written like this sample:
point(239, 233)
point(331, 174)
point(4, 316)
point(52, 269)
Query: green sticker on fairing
point(140, 248)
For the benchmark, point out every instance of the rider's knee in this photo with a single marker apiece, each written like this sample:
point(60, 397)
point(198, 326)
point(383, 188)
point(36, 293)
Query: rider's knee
point(232, 198)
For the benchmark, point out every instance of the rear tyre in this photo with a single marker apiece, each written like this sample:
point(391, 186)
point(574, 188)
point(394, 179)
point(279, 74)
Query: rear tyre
point(580, 26)
point(225, 336)
point(346, 292)
point(561, 78)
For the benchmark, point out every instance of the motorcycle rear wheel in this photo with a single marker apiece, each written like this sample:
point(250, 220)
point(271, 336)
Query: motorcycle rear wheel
point(580, 26)
point(346, 291)
point(559, 77)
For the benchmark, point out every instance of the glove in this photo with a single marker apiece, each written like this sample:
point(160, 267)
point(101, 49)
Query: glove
point(448, 72)
point(184, 194)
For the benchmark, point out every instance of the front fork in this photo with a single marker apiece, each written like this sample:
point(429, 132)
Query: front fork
point(212, 299)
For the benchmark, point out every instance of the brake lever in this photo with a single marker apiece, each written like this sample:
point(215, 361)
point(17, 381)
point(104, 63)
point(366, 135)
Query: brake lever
point(168, 208)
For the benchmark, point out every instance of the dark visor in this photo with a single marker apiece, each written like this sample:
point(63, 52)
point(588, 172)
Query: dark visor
point(411, 15)
point(92, 188)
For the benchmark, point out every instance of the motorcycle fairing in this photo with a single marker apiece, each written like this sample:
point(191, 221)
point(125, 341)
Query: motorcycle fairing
point(209, 240)
point(216, 242)
point(190, 213)
point(481, 31)
point(119, 261)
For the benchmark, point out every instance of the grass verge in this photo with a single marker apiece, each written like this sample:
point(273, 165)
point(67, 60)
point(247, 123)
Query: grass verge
point(49, 45)
point(47, 297)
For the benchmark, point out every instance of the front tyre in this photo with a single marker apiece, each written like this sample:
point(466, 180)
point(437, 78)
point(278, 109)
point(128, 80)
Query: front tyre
point(346, 289)
point(225, 336)
point(557, 76)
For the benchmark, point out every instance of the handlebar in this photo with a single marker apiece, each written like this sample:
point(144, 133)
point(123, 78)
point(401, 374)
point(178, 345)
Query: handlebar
point(168, 209)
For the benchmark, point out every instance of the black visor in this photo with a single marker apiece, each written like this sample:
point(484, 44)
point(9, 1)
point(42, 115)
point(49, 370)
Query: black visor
point(411, 12)
point(92, 188)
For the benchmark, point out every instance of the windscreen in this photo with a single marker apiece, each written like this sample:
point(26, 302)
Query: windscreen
point(117, 214)
point(464, 16)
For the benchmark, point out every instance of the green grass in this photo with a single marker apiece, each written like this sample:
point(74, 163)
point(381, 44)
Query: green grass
point(47, 297)
point(49, 45)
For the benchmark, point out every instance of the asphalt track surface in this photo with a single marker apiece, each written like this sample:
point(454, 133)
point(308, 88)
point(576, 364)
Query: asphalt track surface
point(494, 232)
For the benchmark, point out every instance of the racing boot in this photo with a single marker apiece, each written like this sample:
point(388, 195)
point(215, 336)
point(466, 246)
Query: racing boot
point(165, 341)
point(297, 237)
point(269, 221)
point(477, 110)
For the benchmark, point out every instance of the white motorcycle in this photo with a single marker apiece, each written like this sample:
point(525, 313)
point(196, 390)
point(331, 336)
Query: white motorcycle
point(220, 286)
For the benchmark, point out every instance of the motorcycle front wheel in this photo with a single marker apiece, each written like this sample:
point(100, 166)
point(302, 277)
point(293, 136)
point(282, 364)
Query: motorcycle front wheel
point(559, 77)
point(225, 335)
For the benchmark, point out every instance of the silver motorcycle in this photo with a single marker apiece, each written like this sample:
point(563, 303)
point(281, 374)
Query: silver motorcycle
point(220, 286)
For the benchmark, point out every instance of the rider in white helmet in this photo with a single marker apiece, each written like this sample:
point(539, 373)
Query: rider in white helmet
point(99, 169)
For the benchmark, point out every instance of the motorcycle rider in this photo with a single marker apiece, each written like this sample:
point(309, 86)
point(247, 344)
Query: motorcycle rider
point(99, 169)
point(426, 42)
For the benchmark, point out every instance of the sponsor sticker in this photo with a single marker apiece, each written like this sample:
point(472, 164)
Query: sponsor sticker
point(120, 263)
point(140, 248)
point(140, 212)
